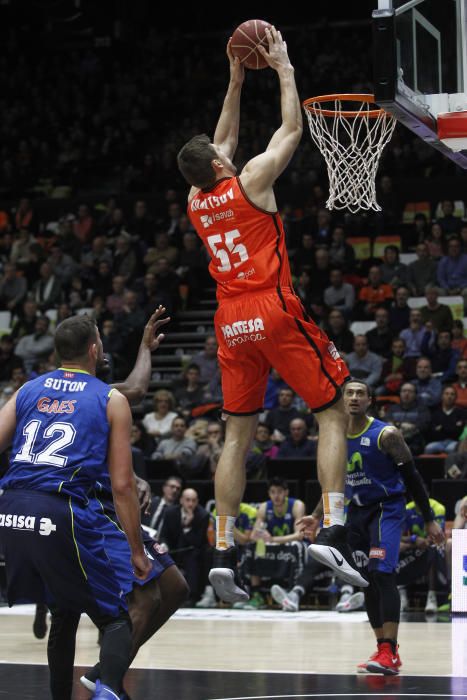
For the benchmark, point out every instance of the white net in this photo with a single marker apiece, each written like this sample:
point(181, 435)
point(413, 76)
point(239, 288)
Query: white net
point(351, 146)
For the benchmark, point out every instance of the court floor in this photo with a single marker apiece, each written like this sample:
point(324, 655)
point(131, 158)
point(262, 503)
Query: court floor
point(242, 655)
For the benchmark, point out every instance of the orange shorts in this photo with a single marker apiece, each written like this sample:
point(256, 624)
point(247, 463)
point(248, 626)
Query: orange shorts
point(267, 330)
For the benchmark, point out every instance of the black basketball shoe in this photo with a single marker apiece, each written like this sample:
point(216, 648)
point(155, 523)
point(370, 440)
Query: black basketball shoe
point(331, 548)
point(224, 576)
point(39, 626)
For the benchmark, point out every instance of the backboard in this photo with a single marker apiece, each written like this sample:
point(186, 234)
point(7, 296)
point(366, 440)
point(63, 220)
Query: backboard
point(420, 68)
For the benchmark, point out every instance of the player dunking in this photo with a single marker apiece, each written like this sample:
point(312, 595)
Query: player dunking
point(260, 323)
point(380, 470)
point(68, 431)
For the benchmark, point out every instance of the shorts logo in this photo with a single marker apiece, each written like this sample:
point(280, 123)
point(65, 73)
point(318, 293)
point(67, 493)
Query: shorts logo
point(377, 553)
point(333, 351)
point(27, 523)
point(46, 527)
point(365, 441)
point(360, 558)
point(160, 548)
point(243, 332)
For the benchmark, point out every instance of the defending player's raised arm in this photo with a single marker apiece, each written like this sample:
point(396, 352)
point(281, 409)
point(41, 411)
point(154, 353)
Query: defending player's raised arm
point(392, 442)
point(124, 490)
point(135, 386)
point(226, 133)
point(262, 171)
point(7, 423)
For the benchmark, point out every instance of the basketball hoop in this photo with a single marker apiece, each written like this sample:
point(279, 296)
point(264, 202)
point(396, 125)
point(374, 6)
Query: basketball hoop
point(351, 142)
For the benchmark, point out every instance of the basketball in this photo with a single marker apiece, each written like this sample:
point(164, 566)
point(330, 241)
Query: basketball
point(246, 38)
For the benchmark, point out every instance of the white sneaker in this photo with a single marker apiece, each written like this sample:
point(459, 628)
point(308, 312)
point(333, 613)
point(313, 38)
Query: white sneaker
point(288, 600)
point(404, 598)
point(208, 599)
point(356, 601)
point(431, 606)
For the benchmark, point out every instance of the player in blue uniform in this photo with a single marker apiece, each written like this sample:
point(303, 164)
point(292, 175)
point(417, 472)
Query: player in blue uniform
point(68, 431)
point(380, 469)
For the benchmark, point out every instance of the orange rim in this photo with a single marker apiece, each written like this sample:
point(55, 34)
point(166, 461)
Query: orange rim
point(309, 105)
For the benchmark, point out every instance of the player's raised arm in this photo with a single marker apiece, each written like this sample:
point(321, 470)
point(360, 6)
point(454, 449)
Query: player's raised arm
point(262, 171)
point(226, 134)
point(393, 444)
point(135, 386)
point(124, 490)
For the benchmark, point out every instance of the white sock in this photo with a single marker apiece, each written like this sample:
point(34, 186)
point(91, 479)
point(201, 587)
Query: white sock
point(224, 531)
point(333, 508)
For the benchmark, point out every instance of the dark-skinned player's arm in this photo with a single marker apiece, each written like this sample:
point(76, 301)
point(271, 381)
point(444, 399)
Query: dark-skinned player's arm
point(226, 133)
point(135, 386)
point(262, 171)
point(124, 492)
point(7, 423)
point(393, 444)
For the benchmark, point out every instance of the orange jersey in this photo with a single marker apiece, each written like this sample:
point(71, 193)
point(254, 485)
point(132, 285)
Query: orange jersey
point(246, 244)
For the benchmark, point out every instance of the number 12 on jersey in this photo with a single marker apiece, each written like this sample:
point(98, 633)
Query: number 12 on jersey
point(224, 247)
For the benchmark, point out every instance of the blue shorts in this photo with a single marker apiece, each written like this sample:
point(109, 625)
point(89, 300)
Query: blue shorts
point(374, 533)
point(55, 552)
point(118, 550)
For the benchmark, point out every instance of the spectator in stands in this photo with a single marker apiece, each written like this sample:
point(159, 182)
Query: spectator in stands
point(171, 490)
point(447, 424)
point(37, 346)
point(459, 341)
point(304, 258)
point(25, 322)
point(184, 531)
point(422, 273)
point(411, 417)
point(167, 280)
point(116, 301)
point(364, 364)
point(452, 270)
point(396, 369)
point(390, 204)
point(338, 332)
point(461, 385)
point(8, 359)
point(340, 295)
point(192, 266)
point(125, 261)
point(99, 252)
point(416, 336)
point(189, 393)
point(297, 445)
point(278, 419)
point(63, 265)
point(24, 216)
point(211, 450)
point(429, 388)
point(448, 222)
point(83, 225)
point(13, 289)
point(141, 224)
point(463, 235)
point(443, 357)
point(420, 229)
point(439, 315)
point(129, 322)
point(262, 449)
point(158, 423)
point(341, 254)
point(141, 440)
point(21, 249)
point(436, 242)
point(151, 296)
point(276, 523)
point(113, 347)
point(103, 280)
point(380, 338)
point(163, 248)
point(303, 289)
point(273, 387)
point(374, 294)
point(47, 291)
point(322, 233)
point(399, 311)
point(393, 272)
point(178, 447)
point(207, 359)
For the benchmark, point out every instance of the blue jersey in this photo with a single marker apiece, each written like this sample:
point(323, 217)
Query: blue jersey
point(415, 524)
point(372, 475)
point(280, 525)
point(61, 438)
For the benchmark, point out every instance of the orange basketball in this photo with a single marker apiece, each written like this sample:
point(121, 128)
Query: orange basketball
point(246, 38)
